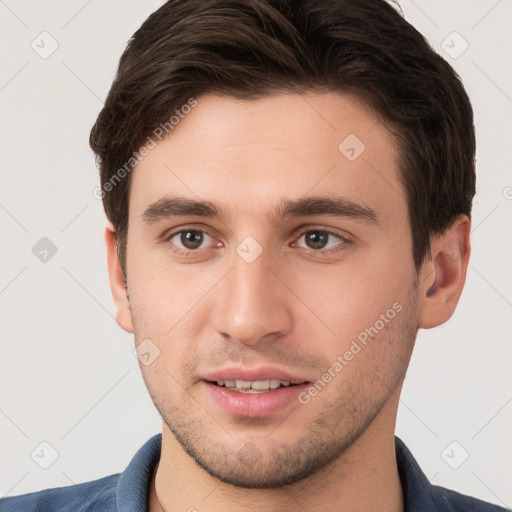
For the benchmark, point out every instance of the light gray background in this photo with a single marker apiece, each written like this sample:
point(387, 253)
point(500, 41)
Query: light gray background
point(68, 374)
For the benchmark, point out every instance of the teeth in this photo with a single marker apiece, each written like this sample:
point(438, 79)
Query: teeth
point(260, 384)
point(274, 384)
point(243, 384)
point(247, 386)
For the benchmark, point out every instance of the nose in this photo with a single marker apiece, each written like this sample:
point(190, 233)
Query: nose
point(252, 302)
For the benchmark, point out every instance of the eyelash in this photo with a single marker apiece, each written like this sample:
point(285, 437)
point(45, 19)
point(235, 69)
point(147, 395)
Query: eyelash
point(193, 252)
point(186, 252)
point(323, 252)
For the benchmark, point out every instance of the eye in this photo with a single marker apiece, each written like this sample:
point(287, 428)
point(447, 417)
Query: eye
point(188, 240)
point(321, 240)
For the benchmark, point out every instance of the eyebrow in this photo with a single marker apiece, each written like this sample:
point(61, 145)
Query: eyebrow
point(168, 207)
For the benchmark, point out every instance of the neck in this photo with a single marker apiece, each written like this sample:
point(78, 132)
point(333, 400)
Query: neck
point(365, 477)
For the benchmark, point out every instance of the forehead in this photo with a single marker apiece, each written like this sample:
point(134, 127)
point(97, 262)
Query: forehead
point(250, 155)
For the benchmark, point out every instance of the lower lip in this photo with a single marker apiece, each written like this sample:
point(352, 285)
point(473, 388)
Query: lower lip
point(254, 405)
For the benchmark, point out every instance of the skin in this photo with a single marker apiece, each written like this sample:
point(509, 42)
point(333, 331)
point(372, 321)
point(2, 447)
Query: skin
point(290, 308)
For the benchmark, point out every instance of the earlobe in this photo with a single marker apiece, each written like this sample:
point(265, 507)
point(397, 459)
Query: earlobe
point(443, 274)
point(117, 282)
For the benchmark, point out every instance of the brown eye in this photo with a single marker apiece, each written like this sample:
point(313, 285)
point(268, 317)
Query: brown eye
point(191, 239)
point(316, 239)
point(321, 241)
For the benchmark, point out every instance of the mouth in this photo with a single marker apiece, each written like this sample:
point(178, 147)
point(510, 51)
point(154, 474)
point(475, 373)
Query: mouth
point(262, 393)
point(254, 386)
point(256, 392)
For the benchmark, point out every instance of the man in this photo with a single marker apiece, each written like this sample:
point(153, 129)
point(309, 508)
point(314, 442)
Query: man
point(289, 189)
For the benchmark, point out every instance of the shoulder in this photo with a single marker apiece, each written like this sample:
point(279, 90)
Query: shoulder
point(95, 496)
point(123, 491)
point(420, 494)
point(452, 501)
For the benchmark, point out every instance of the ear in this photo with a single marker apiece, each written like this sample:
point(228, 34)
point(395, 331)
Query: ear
point(443, 274)
point(117, 283)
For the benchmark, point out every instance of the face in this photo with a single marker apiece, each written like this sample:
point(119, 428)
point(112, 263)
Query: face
point(295, 271)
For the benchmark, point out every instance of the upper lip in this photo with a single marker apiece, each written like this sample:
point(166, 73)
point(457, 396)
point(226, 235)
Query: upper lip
point(253, 374)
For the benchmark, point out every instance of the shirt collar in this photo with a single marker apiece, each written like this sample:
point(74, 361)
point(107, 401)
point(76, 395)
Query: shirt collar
point(416, 488)
point(133, 487)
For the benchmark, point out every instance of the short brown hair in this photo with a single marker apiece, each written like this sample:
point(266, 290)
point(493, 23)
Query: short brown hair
point(248, 49)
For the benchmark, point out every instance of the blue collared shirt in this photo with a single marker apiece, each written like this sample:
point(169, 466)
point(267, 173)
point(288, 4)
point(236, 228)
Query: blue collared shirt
point(129, 490)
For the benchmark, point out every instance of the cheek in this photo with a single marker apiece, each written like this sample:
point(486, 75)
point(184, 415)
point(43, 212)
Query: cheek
point(349, 298)
point(171, 311)
point(164, 296)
